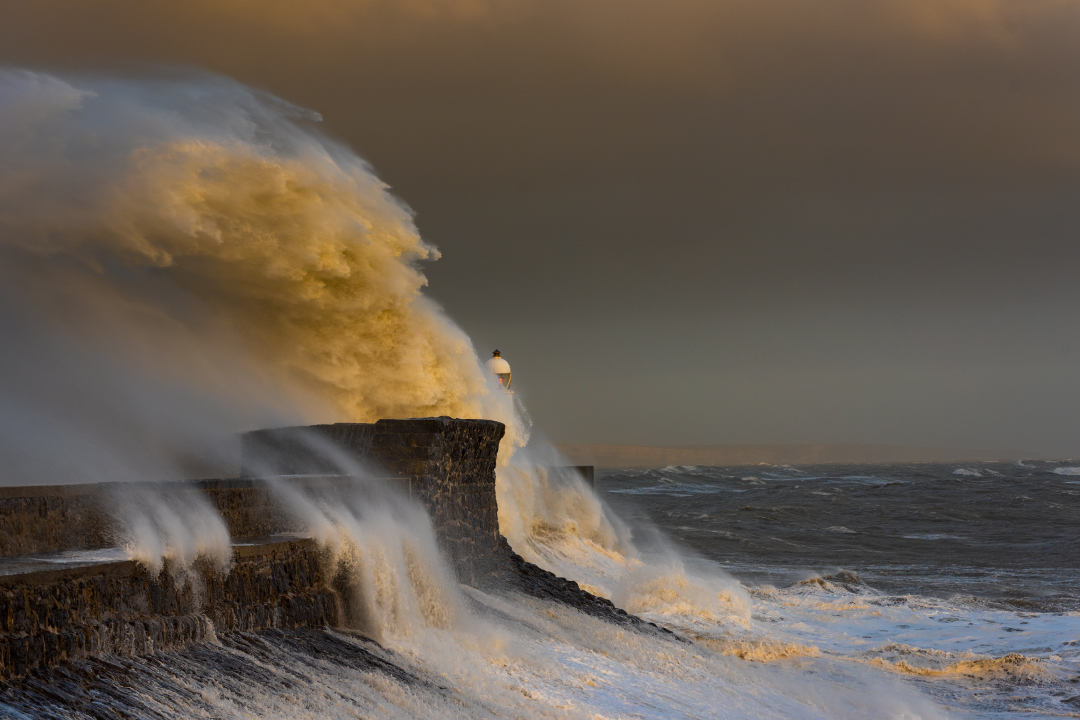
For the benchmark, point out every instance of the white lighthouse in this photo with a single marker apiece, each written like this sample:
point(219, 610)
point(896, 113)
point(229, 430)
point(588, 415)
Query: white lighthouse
point(500, 369)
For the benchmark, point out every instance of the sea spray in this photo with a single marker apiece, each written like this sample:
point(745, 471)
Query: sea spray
point(506, 654)
point(537, 502)
point(207, 239)
point(379, 545)
point(382, 553)
point(74, 412)
point(168, 526)
point(553, 519)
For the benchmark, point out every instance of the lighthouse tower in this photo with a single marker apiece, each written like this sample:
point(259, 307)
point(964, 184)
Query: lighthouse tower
point(500, 369)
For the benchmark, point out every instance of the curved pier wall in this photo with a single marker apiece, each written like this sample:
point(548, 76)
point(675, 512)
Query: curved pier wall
point(86, 608)
point(446, 463)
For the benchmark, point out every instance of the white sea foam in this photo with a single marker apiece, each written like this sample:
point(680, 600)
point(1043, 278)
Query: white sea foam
point(976, 655)
point(509, 654)
point(526, 657)
point(383, 556)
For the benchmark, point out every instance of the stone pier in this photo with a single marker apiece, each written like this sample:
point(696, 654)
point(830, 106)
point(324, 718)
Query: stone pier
point(97, 607)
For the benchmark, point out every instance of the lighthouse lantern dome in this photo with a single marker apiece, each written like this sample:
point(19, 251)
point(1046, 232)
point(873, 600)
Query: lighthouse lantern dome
point(498, 367)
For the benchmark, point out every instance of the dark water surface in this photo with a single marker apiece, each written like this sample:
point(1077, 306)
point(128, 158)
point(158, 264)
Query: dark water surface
point(1003, 532)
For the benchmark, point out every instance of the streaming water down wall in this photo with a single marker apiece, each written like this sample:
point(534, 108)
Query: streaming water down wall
point(383, 548)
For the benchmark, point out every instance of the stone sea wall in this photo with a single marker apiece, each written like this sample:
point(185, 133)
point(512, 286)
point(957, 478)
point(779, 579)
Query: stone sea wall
point(95, 608)
point(447, 464)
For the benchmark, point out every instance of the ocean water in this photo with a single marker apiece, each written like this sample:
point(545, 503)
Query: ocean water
point(963, 580)
point(902, 592)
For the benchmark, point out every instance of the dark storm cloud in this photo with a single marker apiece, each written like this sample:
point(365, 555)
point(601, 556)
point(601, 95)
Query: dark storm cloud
point(835, 212)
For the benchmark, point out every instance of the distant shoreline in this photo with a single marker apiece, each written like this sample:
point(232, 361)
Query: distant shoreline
point(662, 456)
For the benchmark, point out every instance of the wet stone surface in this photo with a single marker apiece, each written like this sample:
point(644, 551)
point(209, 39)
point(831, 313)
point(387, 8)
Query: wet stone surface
point(248, 666)
point(450, 467)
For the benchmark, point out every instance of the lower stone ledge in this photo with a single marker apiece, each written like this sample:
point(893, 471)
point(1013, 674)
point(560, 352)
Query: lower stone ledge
point(48, 618)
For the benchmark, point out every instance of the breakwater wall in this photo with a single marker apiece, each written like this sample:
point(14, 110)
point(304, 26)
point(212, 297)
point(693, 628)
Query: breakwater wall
point(96, 607)
point(447, 464)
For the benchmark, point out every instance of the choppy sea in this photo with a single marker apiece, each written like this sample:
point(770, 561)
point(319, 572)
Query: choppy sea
point(961, 579)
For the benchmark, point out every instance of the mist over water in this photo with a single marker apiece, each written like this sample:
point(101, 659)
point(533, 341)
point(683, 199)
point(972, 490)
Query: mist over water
point(184, 258)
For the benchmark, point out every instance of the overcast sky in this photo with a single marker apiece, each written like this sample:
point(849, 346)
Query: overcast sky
point(699, 221)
